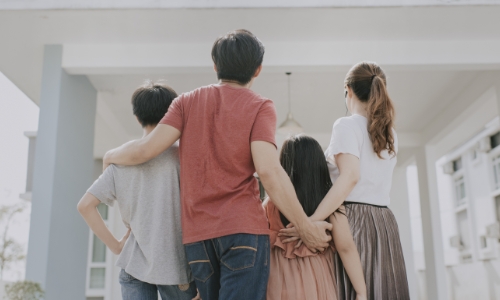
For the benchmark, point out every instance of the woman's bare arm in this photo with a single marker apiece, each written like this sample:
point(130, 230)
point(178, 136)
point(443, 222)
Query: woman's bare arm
point(348, 165)
point(282, 194)
point(348, 252)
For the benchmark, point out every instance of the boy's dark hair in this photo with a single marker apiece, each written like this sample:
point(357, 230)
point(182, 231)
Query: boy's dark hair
point(150, 102)
point(237, 55)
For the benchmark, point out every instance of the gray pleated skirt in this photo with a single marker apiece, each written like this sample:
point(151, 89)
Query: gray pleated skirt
point(376, 236)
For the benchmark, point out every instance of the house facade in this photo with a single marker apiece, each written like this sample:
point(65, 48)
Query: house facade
point(81, 61)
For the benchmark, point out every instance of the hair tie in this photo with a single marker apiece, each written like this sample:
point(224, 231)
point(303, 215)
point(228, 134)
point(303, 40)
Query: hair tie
point(373, 76)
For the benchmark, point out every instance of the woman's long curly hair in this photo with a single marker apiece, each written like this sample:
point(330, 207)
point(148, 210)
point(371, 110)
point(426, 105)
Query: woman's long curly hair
point(368, 82)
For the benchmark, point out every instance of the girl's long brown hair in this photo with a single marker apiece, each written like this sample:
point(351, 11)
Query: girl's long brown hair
point(303, 160)
point(368, 82)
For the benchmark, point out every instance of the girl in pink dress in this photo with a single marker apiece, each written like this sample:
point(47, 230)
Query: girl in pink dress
point(296, 273)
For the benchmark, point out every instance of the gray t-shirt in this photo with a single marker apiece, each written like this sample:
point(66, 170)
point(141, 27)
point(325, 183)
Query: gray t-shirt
point(148, 196)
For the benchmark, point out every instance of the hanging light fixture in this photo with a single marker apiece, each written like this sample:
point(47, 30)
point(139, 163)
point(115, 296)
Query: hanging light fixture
point(290, 126)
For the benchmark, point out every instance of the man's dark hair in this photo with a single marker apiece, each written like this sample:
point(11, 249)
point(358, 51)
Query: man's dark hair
point(150, 102)
point(237, 55)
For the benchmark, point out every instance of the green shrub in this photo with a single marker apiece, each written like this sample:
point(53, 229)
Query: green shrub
point(24, 290)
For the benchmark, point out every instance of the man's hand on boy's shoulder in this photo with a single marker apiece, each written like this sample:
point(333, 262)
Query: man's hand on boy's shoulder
point(139, 151)
point(106, 160)
point(121, 243)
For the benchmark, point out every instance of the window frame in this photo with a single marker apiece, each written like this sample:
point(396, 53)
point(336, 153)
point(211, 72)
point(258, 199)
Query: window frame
point(460, 175)
point(494, 159)
point(107, 264)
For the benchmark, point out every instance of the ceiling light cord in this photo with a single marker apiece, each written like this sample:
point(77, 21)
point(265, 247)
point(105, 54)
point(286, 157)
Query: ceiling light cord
point(290, 126)
point(289, 94)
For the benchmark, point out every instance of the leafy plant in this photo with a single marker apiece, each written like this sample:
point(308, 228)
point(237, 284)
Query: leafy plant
point(24, 290)
point(10, 250)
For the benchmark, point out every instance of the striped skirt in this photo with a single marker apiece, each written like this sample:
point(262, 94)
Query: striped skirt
point(376, 236)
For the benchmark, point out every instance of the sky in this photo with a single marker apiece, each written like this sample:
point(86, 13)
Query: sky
point(18, 114)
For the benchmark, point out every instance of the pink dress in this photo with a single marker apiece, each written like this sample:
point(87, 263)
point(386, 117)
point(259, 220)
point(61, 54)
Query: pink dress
point(298, 274)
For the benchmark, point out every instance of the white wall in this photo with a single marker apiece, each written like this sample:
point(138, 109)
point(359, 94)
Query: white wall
point(18, 114)
point(400, 206)
point(477, 278)
point(448, 215)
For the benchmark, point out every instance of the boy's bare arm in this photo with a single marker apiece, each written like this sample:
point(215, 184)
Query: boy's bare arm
point(140, 151)
point(344, 243)
point(282, 193)
point(88, 209)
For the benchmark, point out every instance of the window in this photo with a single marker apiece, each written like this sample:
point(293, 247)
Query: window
point(103, 210)
point(474, 155)
point(484, 242)
point(98, 260)
point(496, 172)
point(97, 278)
point(463, 229)
point(457, 165)
point(460, 194)
point(497, 207)
point(495, 140)
point(497, 210)
point(98, 250)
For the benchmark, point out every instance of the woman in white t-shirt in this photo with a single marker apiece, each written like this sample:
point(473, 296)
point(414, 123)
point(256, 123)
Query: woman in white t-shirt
point(361, 159)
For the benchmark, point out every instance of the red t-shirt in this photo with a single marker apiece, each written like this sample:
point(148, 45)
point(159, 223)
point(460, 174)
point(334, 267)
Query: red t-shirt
point(219, 193)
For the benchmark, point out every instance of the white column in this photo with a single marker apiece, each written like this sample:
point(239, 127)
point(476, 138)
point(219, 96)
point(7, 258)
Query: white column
point(63, 168)
point(435, 272)
point(497, 87)
point(400, 206)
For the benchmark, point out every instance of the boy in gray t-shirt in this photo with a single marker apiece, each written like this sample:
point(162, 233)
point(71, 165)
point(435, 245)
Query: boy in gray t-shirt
point(151, 254)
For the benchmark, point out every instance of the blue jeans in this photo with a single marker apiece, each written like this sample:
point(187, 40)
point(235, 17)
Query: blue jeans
point(134, 289)
point(231, 267)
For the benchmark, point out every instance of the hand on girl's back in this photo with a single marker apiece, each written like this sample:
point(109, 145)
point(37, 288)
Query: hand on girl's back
point(315, 237)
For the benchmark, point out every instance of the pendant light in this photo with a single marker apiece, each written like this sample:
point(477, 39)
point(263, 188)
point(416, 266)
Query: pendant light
point(290, 126)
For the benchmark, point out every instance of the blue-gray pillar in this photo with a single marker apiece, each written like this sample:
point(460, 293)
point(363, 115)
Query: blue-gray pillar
point(58, 243)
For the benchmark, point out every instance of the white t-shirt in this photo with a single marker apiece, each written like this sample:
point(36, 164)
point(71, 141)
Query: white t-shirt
point(350, 135)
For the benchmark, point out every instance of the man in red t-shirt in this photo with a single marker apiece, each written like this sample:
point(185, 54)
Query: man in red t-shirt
point(227, 133)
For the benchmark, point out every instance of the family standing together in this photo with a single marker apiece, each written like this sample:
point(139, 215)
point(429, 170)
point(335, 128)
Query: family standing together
point(196, 225)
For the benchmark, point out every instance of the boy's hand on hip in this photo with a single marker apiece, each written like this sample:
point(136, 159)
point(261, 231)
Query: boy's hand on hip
point(122, 242)
point(197, 295)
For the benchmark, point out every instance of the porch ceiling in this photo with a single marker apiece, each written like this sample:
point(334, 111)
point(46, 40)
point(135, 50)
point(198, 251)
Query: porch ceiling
point(429, 53)
point(317, 97)
point(24, 32)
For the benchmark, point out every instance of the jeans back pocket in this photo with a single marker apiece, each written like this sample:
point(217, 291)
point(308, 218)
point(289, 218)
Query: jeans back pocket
point(239, 251)
point(199, 262)
point(125, 277)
